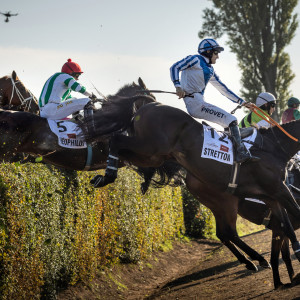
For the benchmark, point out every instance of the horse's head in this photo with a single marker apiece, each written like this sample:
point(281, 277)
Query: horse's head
point(14, 95)
point(131, 90)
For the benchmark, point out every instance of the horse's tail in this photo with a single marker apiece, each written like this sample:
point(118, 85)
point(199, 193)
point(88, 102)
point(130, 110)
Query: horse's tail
point(170, 173)
point(115, 115)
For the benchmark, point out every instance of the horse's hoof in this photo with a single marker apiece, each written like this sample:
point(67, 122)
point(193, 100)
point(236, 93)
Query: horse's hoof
point(93, 180)
point(280, 286)
point(296, 280)
point(251, 266)
point(265, 264)
point(144, 188)
point(101, 181)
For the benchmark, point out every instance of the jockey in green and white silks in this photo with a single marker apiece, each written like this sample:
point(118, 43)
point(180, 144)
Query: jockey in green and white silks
point(266, 102)
point(56, 101)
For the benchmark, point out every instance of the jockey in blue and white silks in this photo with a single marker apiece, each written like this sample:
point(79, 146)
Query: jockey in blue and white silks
point(55, 101)
point(196, 72)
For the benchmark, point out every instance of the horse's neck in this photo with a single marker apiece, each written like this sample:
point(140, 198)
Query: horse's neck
point(288, 143)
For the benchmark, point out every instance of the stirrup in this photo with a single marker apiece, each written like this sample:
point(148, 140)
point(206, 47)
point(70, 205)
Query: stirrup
point(244, 156)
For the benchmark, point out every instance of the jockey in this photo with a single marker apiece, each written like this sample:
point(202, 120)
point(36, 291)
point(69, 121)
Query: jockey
point(196, 72)
point(55, 101)
point(266, 102)
point(292, 113)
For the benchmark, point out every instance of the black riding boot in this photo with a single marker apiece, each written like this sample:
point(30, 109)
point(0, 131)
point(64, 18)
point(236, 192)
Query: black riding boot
point(242, 154)
point(89, 115)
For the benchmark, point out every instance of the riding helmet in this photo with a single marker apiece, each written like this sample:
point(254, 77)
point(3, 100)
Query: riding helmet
point(264, 98)
point(71, 67)
point(208, 45)
point(292, 101)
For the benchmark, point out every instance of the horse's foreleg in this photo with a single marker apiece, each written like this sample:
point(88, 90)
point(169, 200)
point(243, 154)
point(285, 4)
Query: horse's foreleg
point(286, 226)
point(229, 237)
point(286, 256)
point(275, 250)
point(287, 200)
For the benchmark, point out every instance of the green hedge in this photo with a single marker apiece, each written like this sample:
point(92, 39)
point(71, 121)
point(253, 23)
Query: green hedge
point(56, 230)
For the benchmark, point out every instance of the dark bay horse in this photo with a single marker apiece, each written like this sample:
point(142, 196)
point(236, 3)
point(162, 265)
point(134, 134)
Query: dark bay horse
point(161, 133)
point(15, 96)
point(258, 213)
point(22, 132)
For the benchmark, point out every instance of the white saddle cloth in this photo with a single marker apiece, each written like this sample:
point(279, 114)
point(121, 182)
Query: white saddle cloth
point(217, 145)
point(68, 133)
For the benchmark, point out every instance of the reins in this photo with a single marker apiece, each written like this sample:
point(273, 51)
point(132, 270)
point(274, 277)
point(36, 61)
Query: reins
point(264, 116)
point(272, 122)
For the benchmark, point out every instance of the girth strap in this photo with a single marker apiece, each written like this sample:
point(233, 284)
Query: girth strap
point(89, 157)
point(233, 183)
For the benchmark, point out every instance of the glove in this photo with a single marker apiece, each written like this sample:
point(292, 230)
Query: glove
point(180, 92)
point(93, 97)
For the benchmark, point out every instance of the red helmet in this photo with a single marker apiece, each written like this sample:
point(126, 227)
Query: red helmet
point(71, 67)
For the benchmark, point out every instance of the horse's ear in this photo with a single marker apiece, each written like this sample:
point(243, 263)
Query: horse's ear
point(133, 83)
point(14, 75)
point(141, 83)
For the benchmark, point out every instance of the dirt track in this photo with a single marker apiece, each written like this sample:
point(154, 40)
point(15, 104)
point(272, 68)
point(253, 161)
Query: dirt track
point(202, 270)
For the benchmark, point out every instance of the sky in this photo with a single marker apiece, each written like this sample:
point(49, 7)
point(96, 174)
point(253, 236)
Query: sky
point(115, 42)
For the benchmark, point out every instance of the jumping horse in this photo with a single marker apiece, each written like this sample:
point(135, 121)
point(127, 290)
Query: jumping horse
point(256, 212)
point(15, 96)
point(160, 132)
point(23, 132)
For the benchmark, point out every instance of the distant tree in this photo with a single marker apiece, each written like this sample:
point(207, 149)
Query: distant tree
point(258, 32)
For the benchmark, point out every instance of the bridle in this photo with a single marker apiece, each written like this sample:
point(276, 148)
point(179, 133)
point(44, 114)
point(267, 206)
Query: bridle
point(25, 102)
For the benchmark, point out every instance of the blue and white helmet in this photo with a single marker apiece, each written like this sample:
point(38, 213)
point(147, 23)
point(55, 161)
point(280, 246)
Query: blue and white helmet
point(209, 44)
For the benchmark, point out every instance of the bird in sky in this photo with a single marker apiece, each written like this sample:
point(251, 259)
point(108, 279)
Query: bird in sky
point(8, 14)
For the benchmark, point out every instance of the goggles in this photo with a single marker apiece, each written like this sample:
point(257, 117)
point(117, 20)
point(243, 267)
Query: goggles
point(76, 75)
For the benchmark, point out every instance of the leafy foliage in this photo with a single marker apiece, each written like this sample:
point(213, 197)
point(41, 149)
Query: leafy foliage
point(258, 32)
point(55, 229)
point(198, 219)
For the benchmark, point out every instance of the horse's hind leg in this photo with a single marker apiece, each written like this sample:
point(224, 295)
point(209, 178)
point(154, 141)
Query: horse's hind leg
point(239, 255)
point(251, 252)
point(228, 236)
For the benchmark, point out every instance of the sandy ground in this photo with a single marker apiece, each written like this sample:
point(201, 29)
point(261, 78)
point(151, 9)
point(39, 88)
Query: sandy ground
point(201, 269)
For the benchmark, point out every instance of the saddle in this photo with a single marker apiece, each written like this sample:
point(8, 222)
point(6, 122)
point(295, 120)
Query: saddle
point(247, 131)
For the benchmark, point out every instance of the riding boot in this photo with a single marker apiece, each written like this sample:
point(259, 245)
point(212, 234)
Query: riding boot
point(89, 118)
point(242, 154)
point(111, 173)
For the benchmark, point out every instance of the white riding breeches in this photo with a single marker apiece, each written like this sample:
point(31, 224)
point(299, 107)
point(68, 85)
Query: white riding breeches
point(54, 111)
point(200, 109)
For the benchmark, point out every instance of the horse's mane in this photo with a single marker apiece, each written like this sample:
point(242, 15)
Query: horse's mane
point(287, 126)
point(117, 110)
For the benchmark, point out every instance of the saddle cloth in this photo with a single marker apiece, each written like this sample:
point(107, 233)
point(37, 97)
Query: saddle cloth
point(69, 134)
point(218, 146)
